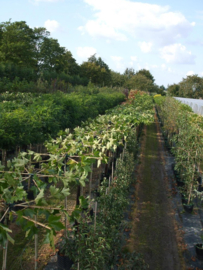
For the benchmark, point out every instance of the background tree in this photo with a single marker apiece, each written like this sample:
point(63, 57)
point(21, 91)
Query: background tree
point(117, 79)
point(17, 44)
point(146, 73)
point(97, 71)
point(191, 87)
point(129, 73)
point(173, 90)
point(51, 55)
point(70, 66)
point(140, 82)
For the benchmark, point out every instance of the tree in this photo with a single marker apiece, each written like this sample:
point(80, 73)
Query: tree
point(70, 66)
point(17, 44)
point(117, 79)
point(129, 72)
point(140, 82)
point(173, 90)
point(191, 87)
point(146, 73)
point(51, 55)
point(96, 70)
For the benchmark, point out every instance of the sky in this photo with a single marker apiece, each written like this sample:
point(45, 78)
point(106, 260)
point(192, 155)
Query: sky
point(165, 37)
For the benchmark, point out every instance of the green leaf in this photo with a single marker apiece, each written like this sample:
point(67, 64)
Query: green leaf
point(65, 191)
point(54, 222)
point(39, 196)
point(10, 239)
point(5, 228)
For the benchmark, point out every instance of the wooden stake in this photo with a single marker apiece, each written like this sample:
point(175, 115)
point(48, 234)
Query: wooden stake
point(90, 183)
point(36, 245)
point(95, 216)
point(112, 172)
point(5, 249)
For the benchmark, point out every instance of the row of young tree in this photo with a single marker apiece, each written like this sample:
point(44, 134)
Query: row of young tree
point(189, 87)
point(30, 56)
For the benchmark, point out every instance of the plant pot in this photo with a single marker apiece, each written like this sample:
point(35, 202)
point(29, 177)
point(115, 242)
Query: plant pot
point(63, 261)
point(199, 251)
point(188, 207)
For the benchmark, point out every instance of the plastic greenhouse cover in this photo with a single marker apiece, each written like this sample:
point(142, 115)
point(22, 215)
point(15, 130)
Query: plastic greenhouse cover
point(195, 104)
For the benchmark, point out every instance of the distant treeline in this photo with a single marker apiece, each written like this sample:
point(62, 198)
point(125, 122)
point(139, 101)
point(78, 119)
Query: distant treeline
point(32, 61)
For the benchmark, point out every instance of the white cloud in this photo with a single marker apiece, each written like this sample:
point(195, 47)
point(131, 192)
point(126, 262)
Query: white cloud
point(163, 66)
point(85, 52)
point(177, 54)
point(189, 73)
point(133, 58)
point(145, 46)
point(125, 18)
point(118, 61)
point(96, 29)
point(51, 25)
point(154, 66)
point(50, 1)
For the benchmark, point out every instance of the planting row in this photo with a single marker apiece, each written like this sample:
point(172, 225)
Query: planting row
point(69, 163)
point(27, 119)
point(183, 130)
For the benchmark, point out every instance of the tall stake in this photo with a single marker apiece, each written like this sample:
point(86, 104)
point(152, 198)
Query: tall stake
point(5, 249)
point(95, 216)
point(112, 172)
point(36, 245)
point(90, 183)
point(66, 202)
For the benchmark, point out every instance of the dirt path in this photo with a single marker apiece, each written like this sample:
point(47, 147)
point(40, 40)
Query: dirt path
point(153, 233)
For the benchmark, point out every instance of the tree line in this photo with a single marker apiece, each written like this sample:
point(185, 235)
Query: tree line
point(30, 59)
point(189, 87)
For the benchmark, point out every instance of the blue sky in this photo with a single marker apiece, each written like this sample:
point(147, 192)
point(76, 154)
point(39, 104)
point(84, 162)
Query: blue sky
point(165, 37)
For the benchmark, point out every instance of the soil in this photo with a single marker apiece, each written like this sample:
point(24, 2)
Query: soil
point(155, 231)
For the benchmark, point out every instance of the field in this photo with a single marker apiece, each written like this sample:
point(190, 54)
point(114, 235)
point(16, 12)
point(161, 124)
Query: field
point(105, 188)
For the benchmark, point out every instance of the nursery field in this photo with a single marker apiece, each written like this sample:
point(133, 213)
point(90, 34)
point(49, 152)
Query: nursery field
point(116, 192)
point(77, 188)
point(28, 119)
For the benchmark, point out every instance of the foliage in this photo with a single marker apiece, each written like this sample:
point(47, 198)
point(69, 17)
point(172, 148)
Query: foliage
point(189, 87)
point(183, 128)
point(26, 119)
point(97, 71)
point(70, 157)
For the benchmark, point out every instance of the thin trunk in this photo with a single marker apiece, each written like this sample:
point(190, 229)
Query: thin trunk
point(4, 157)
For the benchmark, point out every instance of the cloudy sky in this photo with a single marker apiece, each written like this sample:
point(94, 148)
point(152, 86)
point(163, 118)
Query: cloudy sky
point(165, 37)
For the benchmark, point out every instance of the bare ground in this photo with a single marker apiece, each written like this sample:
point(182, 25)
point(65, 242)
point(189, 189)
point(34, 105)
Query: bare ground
point(154, 228)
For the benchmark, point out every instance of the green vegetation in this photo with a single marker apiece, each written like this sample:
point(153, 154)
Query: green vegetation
point(30, 119)
point(190, 87)
point(69, 161)
point(32, 61)
point(183, 131)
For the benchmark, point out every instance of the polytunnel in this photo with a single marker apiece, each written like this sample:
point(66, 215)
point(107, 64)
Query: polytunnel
point(195, 104)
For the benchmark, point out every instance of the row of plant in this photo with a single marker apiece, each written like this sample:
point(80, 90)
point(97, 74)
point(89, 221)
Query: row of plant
point(68, 163)
point(35, 119)
point(183, 132)
point(99, 244)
